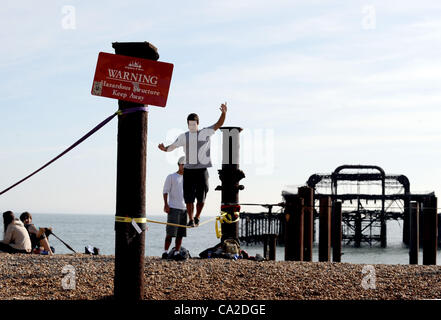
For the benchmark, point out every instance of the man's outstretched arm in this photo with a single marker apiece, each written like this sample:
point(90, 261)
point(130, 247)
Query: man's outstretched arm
point(220, 122)
point(178, 143)
point(164, 148)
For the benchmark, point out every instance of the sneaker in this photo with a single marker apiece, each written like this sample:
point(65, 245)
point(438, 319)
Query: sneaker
point(165, 255)
point(196, 221)
point(190, 223)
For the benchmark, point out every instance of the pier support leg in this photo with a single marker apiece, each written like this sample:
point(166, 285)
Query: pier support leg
point(383, 232)
point(272, 247)
point(414, 239)
point(357, 235)
point(336, 232)
point(307, 194)
point(265, 246)
point(430, 230)
point(439, 229)
point(325, 229)
point(294, 229)
point(406, 224)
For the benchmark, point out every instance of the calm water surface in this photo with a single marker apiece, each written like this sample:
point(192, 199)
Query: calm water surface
point(98, 231)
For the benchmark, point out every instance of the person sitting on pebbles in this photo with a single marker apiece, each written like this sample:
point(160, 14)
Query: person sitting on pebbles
point(16, 239)
point(38, 237)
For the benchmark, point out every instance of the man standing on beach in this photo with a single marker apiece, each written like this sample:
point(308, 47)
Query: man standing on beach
point(174, 206)
point(196, 144)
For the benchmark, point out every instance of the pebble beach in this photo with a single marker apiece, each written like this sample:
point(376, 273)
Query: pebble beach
point(34, 277)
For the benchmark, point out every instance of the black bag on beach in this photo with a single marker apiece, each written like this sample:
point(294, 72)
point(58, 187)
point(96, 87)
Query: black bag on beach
point(183, 254)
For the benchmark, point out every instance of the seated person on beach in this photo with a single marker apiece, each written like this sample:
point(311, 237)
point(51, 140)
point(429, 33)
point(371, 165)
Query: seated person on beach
point(174, 206)
point(16, 238)
point(38, 237)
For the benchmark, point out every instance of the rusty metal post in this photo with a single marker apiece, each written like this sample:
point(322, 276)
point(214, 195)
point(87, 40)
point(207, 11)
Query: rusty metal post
point(430, 230)
point(336, 231)
point(130, 187)
point(325, 229)
point(294, 228)
point(414, 238)
point(230, 175)
point(307, 194)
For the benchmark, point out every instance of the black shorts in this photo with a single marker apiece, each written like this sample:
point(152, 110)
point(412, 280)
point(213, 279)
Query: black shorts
point(195, 185)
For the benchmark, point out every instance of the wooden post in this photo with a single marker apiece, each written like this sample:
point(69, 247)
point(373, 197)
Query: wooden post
point(439, 229)
point(358, 232)
point(336, 232)
point(294, 228)
point(430, 230)
point(130, 187)
point(247, 232)
point(414, 238)
point(325, 229)
point(307, 194)
point(265, 246)
point(272, 247)
point(406, 223)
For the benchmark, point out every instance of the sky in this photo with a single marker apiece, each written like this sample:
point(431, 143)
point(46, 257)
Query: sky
point(313, 84)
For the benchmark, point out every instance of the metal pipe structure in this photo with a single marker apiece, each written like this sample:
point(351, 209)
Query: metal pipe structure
point(130, 187)
point(361, 224)
point(230, 176)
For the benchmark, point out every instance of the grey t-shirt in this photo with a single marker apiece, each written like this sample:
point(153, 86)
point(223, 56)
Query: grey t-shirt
point(196, 147)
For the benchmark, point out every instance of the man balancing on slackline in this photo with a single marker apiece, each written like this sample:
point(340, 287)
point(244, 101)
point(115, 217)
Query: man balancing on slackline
point(196, 144)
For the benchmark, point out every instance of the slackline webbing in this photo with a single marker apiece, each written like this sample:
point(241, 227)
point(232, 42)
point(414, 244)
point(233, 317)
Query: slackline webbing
point(87, 135)
point(145, 220)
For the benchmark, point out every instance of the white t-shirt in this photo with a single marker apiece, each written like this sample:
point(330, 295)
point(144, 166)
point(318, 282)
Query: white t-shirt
point(175, 188)
point(196, 147)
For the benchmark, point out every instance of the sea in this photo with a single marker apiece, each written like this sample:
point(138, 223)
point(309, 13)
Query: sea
point(81, 230)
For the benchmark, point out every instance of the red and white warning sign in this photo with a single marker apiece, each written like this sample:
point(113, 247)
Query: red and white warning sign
point(132, 79)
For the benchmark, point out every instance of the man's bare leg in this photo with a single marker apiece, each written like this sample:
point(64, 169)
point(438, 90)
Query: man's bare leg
point(190, 209)
point(45, 244)
point(199, 207)
point(167, 243)
point(178, 243)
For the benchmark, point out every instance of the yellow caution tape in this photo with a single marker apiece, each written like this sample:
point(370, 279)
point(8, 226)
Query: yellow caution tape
point(129, 219)
point(224, 216)
point(219, 221)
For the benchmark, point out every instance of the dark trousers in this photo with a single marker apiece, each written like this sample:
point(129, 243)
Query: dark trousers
point(7, 248)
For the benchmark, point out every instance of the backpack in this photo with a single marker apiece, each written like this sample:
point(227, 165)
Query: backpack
point(183, 254)
point(231, 246)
